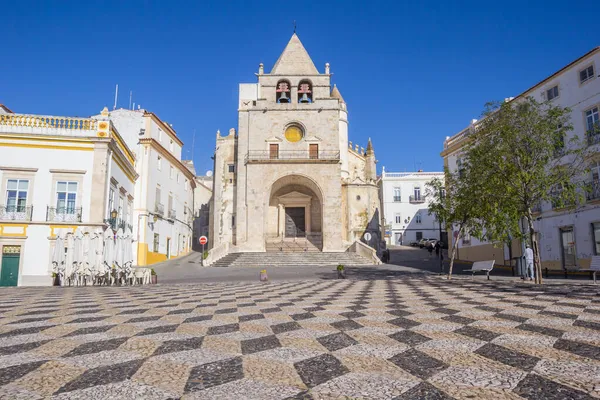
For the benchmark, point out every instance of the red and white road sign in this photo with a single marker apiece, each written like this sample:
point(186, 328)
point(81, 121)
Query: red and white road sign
point(203, 240)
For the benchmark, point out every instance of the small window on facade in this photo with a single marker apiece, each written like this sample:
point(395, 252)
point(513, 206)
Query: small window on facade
point(552, 93)
point(186, 184)
point(357, 197)
point(417, 191)
point(16, 195)
point(273, 151)
point(171, 171)
point(397, 195)
point(159, 163)
point(66, 197)
point(592, 121)
point(398, 218)
point(418, 218)
point(233, 220)
point(304, 92)
point(283, 92)
point(231, 168)
point(159, 135)
point(178, 177)
point(466, 238)
point(313, 151)
point(171, 146)
point(586, 74)
point(156, 242)
point(419, 236)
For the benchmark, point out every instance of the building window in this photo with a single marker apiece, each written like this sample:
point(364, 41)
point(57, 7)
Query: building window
point(171, 146)
point(156, 242)
point(586, 74)
point(596, 235)
point(159, 135)
point(159, 163)
point(187, 184)
point(171, 171)
point(398, 218)
point(304, 92)
point(418, 218)
point(417, 191)
point(233, 221)
point(397, 195)
point(282, 93)
point(231, 168)
point(121, 210)
point(591, 120)
point(170, 203)
point(294, 133)
point(16, 195)
point(177, 177)
point(129, 211)
point(595, 170)
point(66, 197)
point(552, 93)
point(111, 200)
point(157, 199)
point(419, 236)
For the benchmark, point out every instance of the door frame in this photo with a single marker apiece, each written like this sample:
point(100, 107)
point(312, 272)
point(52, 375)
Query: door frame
point(15, 242)
point(562, 248)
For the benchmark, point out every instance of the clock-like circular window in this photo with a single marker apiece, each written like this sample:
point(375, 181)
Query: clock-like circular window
point(294, 133)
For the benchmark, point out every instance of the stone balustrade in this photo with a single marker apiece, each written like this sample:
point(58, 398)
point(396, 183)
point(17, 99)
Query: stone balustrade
point(21, 123)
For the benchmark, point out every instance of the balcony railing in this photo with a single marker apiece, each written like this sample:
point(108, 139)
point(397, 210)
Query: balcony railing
point(397, 199)
point(291, 155)
point(416, 199)
point(159, 209)
point(63, 214)
point(116, 224)
point(592, 190)
point(172, 214)
point(16, 213)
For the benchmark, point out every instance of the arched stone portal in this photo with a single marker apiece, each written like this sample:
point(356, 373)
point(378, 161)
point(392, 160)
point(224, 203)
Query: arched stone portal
point(295, 210)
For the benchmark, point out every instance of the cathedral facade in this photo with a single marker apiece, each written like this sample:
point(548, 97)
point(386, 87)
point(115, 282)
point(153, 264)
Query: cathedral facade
point(289, 173)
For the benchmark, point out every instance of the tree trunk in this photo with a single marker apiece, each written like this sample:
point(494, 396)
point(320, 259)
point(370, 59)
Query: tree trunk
point(537, 265)
point(453, 253)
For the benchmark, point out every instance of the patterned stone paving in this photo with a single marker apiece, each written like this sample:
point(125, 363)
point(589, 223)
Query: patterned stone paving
point(405, 338)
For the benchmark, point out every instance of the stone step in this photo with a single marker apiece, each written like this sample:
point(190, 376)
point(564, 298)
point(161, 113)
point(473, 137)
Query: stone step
point(273, 259)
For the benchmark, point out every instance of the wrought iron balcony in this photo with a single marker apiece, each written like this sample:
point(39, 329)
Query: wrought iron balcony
point(63, 214)
point(416, 199)
point(291, 156)
point(172, 215)
point(16, 213)
point(593, 137)
point(592, 190)
point(159, 209)
point(117, 223)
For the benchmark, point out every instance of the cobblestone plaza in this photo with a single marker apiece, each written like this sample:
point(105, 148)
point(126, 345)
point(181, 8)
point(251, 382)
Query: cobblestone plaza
point(404, 338)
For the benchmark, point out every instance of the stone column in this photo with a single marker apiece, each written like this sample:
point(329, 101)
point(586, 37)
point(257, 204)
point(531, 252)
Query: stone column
point(281, 221)
point(307, 217)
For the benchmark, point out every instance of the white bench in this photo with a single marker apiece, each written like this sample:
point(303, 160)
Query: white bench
point(594, 267)
point(481, 266)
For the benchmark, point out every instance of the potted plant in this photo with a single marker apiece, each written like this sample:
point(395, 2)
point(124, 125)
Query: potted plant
point(55, 279)
point(154, 276)
point(341, 273)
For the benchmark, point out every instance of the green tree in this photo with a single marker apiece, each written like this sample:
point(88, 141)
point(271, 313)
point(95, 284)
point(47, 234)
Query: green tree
point(454, 206)
point(520, 157)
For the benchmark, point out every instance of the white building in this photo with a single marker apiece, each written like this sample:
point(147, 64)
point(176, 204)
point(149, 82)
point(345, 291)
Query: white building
point(406, 206)
point(55, 174)
point(164, 192)
point(568, 236)
point(203, 194)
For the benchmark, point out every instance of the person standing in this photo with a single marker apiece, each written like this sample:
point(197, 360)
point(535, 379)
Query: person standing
point(529, 263)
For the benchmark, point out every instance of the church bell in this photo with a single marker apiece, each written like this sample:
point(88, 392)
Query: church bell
point(283, 98)
point(304, 98)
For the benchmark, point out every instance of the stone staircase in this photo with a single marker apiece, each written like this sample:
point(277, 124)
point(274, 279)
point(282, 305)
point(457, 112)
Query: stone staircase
point(294, 245)
point(290, 259)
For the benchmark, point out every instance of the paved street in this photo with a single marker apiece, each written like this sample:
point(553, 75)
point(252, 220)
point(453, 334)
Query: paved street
point(411, 337)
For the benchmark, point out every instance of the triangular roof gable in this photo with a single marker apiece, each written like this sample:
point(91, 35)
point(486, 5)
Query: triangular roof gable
point(294, 60)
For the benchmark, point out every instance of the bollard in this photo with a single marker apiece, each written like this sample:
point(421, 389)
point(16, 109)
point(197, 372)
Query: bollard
point(263, 276)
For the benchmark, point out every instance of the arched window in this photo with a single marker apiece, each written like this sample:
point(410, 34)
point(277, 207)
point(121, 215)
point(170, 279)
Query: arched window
point(283, 92)
point(305, 92)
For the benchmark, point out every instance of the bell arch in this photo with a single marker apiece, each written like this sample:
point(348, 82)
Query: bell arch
point(283, 92)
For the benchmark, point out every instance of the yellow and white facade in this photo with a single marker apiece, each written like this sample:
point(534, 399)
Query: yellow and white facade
point(164, 193)
point(55, 173)
point(568, 237)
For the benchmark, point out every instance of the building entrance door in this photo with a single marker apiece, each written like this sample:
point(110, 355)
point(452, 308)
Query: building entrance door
point(567, 239)
point(9, 274)
point(295, 221)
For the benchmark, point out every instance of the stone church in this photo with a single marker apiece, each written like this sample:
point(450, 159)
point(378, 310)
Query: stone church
point(289, 176)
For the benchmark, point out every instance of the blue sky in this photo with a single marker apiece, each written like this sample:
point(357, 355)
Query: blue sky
point(411, 73)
